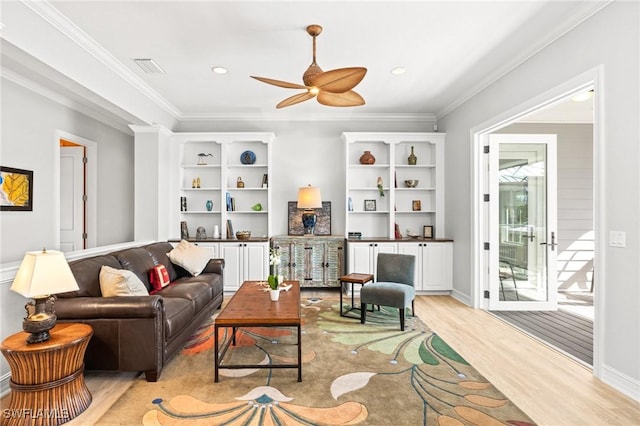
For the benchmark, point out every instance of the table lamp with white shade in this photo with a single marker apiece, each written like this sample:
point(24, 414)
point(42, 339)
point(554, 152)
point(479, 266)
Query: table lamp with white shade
point(309, 198)
point(41, 274)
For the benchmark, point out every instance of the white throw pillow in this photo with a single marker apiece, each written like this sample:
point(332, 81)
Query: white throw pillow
point(190, 257)
point(120, 282)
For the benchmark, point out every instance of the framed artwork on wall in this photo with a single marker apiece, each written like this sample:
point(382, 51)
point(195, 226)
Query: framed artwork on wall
point(323, 224)
point(16, 189)
point(427, 231)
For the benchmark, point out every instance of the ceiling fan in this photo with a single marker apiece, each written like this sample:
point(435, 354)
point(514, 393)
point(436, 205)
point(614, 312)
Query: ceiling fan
point(331, 88)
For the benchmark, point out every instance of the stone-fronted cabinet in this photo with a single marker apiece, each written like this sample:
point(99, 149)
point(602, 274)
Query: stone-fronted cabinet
point(434, 268)
point(316, 261)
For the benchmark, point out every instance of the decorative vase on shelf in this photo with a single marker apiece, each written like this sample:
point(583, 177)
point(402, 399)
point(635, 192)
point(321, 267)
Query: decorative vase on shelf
point(367, 158)
point(412, 158)
point(209, 205)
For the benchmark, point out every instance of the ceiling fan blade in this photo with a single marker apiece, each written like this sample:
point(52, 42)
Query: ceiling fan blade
point(339, 80)
point(295, 99)
point(280, 83)
point(345, 99)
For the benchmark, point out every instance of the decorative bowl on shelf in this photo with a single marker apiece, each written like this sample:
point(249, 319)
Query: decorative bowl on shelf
point(243, 235)
point(411, 183)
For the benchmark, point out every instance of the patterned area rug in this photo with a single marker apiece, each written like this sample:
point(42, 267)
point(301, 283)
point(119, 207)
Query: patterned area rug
point(370, 374)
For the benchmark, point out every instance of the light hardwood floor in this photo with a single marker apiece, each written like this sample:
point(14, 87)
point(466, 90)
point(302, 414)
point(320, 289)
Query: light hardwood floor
point(551, 388)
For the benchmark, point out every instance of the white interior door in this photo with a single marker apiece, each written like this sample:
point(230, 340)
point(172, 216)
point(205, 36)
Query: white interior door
point(72, 206)
point(523, 222)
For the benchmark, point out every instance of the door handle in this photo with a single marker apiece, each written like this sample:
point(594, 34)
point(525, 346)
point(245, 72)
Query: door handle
point(553, 243)
point(530, 233)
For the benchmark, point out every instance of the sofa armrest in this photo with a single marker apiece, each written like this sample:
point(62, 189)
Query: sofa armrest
point(109, 307)
point(215, 266)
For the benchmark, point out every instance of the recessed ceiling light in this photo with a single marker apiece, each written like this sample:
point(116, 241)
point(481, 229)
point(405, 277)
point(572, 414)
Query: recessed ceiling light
point(398, 70)
point(584, 96)
point(219, 70)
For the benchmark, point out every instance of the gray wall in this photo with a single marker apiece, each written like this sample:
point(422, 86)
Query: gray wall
point(575, 200)
point(609, 39)
point(29, 122)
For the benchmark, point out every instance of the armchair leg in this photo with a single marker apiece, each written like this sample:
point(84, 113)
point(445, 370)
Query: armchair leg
point(363, 313)
point(413, 308)
point(401, 310)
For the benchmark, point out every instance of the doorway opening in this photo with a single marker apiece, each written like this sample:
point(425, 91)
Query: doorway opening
point(76, 188)
point(578, 237)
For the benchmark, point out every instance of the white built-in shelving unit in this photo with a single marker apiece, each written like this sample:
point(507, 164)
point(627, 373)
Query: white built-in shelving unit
point(399, 205)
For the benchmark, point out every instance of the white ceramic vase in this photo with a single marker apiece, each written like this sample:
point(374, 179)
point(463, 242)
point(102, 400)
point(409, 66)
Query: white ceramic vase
point(275, 295)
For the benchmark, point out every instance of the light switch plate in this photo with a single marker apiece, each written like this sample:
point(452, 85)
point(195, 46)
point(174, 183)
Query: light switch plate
point(617, 238)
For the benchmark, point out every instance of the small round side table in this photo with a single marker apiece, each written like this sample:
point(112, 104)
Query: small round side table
point(47, 381)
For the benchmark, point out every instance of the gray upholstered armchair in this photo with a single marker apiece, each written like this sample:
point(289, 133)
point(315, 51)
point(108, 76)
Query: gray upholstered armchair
point(394, 285)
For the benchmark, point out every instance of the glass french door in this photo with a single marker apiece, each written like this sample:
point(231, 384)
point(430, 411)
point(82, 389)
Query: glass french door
point(523, 222)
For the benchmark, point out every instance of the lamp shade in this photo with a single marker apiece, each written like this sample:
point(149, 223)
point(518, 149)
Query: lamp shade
point(43, 273)
point(309, 198)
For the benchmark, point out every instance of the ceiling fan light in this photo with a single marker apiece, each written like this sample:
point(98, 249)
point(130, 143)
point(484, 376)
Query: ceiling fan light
point(314, 90)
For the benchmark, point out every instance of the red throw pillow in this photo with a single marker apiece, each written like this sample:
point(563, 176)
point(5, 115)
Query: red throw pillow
point(159, 277)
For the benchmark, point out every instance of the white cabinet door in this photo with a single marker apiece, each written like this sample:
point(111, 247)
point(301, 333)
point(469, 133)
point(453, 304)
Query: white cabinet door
point(244, 262)
point(360, 255)
point(381, 248)
point(233, 265)
point(437, 266)
point(363, 256)
point(256, 261)
point(414, 249)
point(213, 247)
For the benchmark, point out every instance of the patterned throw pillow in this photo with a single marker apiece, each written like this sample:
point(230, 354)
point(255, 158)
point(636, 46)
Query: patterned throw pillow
point(159, 277)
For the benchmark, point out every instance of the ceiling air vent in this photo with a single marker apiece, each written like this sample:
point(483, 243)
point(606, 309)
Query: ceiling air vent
point(149, 66)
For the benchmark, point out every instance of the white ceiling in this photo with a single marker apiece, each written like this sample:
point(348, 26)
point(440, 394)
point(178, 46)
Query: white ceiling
point(451, 49)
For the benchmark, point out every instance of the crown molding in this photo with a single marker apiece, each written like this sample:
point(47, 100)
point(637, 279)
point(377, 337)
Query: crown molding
point(68, 28)
point(9, 75)
point(590, 9)
point(281, 116)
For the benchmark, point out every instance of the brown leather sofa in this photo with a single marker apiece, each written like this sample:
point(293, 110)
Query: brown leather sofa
point(140, 333)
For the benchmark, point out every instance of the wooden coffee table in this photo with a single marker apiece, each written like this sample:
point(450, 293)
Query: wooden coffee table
point(251, 306)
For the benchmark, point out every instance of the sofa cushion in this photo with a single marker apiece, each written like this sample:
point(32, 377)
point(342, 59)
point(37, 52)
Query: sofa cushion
point(87, 275)
point(179, 313)
point(139, 261)
point(198, 292)
point(190, 257)
point(159, 252)
point(120, 282)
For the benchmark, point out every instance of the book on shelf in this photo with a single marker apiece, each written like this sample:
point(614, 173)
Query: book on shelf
point(228, 202)
point(230, 234)
point(355, 235)
point(398, 234)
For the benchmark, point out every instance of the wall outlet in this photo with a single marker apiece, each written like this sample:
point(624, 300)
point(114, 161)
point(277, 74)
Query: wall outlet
point(617, 238)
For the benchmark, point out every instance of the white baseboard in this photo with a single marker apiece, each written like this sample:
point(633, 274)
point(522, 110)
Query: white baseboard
point(4, 385)
point(461, 297)
point(621, 382)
